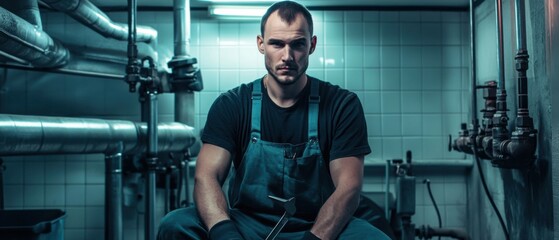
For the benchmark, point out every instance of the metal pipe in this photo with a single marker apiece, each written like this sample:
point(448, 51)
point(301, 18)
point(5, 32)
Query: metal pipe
point(521, 58)
point(88, 14)
point(151, 167)
point(62, 70)
point(184, 98)
point(37, 135)
point(26, 9)
point(500, 119)
point(181, 21)
point(113, 194)
point(387, 189)
point(473, 70)
point(22, 40)
point(500, 45)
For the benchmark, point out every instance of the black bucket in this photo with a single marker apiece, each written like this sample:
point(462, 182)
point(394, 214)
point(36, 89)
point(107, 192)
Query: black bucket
point(32, 224)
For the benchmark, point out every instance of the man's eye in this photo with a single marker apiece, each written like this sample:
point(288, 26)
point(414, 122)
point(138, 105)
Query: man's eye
point(299, 45)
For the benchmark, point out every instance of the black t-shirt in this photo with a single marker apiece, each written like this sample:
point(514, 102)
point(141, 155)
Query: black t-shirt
point(342, 131)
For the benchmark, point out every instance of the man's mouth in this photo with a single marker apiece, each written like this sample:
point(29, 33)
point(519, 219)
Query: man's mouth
point(286, 68)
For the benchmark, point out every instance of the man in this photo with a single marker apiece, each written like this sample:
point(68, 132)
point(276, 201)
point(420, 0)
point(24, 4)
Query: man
point(287, 135)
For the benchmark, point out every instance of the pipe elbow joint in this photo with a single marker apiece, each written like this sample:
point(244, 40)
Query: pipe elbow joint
point(522, 146)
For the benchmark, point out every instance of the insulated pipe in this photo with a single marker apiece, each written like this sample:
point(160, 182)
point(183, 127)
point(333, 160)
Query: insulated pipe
point(36, 135)
point(26, 9)
point(184, 98)
point(22, 40)
point(113, 194)
point(88, 14)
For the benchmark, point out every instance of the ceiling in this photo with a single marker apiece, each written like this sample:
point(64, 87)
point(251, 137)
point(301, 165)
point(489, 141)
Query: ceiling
point(308, 3)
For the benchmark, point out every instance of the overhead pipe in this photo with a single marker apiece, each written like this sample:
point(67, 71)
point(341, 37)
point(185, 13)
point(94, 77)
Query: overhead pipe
point(26, 9)
point(22, 40)
point(39, 135)
point(90, 15)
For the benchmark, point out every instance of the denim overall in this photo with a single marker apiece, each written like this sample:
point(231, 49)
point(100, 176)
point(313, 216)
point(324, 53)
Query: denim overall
point(283, 170)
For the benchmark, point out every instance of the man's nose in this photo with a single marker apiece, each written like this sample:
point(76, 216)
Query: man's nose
point(287, 54)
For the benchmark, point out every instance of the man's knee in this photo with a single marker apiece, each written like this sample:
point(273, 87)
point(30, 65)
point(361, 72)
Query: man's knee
point(180, 224)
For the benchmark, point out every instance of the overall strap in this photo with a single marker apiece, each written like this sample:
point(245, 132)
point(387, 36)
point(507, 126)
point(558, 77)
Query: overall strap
point(314, 100)
point(256, 106)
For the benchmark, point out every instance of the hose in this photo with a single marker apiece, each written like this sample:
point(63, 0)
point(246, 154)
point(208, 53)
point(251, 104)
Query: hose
point(428, 182)
point(486, 190)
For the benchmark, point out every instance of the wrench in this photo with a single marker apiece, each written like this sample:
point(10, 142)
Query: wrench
point(289, 206)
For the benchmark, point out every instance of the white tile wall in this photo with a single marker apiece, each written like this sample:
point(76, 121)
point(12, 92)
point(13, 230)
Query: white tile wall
point(410, 70)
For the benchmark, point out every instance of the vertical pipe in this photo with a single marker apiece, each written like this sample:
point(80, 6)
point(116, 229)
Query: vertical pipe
point(473, 69)
point(1, 184)
point(132, 49)
point(184, 98)
point(387, 189)
point(113, 194)
point(500, 118)
point(181, 23)
point(521, 58)
point(151, 167)
point(500, 54)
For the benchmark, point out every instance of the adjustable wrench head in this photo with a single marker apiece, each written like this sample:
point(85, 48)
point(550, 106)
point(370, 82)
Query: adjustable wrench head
point(287, 204)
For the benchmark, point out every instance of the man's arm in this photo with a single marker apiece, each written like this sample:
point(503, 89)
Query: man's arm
point(347, 175)
point(212, 167)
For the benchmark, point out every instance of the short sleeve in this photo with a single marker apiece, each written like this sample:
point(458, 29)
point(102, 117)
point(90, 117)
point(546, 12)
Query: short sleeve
point(222, 123)
point(349, 136)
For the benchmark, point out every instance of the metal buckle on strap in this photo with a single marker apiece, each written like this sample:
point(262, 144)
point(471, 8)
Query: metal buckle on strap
point(256, 95)
point(314, 99)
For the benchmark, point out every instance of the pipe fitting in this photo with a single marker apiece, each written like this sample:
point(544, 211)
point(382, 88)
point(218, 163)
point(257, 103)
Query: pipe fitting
point(521, 148)
point(487, 145)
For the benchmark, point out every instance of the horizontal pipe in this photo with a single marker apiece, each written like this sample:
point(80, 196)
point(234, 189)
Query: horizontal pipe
point(22, 40)
point(88, 14)
point(35, 135)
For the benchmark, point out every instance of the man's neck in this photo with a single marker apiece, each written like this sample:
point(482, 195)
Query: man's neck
point(284, 95)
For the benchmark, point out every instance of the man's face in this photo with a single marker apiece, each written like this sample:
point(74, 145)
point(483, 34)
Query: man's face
point(286, 48)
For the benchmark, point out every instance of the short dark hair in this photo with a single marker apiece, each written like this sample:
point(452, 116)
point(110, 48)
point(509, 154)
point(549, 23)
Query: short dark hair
point(287, 10)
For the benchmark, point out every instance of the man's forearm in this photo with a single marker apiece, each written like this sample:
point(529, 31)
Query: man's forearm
point(210, 202)
point(336, 212)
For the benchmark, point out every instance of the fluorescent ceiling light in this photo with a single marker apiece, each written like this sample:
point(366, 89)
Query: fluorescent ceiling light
point(238, 1)
point(237, 11)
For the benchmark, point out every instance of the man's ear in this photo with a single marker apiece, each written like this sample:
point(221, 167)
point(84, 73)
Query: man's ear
point(313, 44)
point(260, 43)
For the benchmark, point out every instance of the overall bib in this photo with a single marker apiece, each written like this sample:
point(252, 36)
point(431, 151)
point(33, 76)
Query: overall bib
point(283, 170)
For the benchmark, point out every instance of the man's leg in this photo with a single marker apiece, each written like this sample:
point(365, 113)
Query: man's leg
point(361, 229)
point(182, 223)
